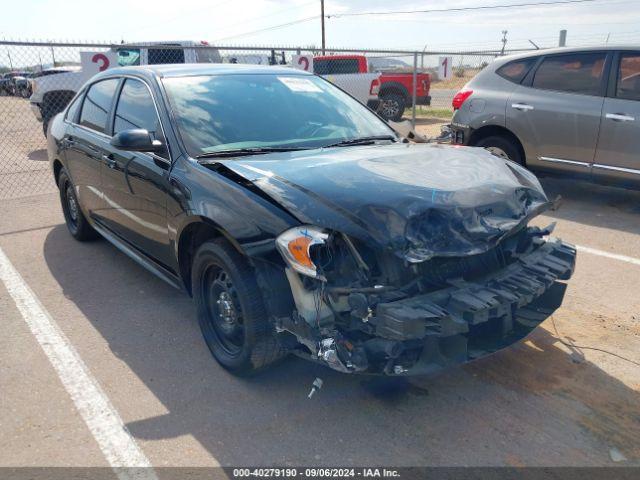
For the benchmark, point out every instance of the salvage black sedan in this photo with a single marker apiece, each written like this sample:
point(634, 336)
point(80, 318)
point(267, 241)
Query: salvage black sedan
point(301, 223)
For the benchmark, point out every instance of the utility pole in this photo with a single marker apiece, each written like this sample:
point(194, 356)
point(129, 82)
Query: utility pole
point(53, 57)
point(504, 41)
point(322, 23)
point(10, 62)
point(562, 41)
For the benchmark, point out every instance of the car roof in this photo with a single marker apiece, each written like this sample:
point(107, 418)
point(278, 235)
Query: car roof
point(193, 69)
point(552, 51)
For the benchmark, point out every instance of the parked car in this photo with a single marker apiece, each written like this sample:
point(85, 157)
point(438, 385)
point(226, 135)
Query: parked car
point(301, 223)
point(22, 85)
point(8, 82)
point(395, 89)
point(52, 92)
point(569, 110)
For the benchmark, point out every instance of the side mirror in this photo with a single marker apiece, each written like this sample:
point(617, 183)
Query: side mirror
point(136, 140)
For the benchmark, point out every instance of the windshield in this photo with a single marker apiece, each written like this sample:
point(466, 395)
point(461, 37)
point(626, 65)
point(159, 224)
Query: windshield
point(228, 112)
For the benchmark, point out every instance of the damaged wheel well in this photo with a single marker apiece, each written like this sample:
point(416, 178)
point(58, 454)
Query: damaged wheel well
point(192, 236)
point(495, 130)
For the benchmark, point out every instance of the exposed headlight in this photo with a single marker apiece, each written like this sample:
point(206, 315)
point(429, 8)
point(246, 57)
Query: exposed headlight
point(295, 244)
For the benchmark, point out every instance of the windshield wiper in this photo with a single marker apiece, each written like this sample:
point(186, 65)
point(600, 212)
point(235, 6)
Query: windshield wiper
point(241, 152)
point(361, 141)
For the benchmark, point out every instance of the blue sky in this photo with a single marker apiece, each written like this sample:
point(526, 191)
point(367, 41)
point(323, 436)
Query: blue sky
point(229, 21)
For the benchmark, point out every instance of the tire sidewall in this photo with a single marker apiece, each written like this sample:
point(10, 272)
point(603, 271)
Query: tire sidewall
point(209, 254)
point(64, 183)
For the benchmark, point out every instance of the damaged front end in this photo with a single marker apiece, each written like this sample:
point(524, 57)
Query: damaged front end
point(358, 309)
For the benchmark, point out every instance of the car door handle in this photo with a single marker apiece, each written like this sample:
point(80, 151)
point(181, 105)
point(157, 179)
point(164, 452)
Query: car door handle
point(109, 160)
point(620, 117)
point(523, 107)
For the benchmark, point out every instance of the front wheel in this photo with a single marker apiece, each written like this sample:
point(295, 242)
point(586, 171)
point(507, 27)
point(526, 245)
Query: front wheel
point(231, 313)
point(502, 147)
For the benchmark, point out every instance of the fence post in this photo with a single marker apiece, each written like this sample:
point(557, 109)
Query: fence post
point(415, 87)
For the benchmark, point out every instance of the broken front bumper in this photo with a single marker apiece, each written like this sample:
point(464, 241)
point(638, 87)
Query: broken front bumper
point(472, 319)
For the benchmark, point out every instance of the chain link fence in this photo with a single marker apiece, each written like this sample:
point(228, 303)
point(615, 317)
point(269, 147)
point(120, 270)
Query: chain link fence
point(37, 81)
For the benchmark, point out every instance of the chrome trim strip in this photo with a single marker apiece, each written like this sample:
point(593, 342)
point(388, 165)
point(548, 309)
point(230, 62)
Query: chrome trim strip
point(617, 169)
point(561, 160)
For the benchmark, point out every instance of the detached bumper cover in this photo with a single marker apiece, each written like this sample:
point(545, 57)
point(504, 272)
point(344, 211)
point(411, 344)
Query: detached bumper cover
point(452, 321)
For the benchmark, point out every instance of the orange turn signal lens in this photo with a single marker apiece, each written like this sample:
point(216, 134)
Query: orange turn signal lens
point(299, 249)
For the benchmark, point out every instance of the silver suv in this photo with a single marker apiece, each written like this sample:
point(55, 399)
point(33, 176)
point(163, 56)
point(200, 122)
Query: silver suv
point(566, 110)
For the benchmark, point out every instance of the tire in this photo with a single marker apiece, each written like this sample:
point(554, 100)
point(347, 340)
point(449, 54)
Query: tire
point(45, 126)
point(231, 313)
point(392, 106)
point(502, 146)
point(77, 223)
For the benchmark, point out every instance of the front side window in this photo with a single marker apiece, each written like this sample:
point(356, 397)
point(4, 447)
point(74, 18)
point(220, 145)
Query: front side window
point(223, 112)
point(136, 109)
point(335, 66)
point(573, 73)
point(73, 109)
point(96, 105)
point(628, 86)
point(516, 71)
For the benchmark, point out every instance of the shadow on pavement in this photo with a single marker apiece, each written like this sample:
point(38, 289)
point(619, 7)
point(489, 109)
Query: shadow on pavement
point(531, 404)
point(594, 204)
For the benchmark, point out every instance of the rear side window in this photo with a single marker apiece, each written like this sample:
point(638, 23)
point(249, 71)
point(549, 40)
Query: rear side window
point(136, 109)
point(96, 105)
point(628, 86)
point(335, 66)
point(516, 71)
point(165, 55)
point(573, 73)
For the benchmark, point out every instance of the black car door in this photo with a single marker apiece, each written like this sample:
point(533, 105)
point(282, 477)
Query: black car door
point(135, 183)
point(86, 141)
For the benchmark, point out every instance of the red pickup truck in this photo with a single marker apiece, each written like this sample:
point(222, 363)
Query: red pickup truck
point(396, 88)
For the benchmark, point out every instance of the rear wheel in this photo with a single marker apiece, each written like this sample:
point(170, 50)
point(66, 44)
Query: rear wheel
point(77, 223)
point(231, 312)
point(392, 106)
point(503, 147)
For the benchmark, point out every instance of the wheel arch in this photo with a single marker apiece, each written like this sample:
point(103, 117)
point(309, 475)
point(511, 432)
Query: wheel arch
point(194, 233)
point(496, 130)
point(394, 87)
point(55, 98)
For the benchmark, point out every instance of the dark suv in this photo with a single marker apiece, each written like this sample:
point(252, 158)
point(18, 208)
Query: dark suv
point(301, 223)
point(565, 110)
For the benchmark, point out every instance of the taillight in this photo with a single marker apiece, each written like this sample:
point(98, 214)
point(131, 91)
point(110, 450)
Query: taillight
point(375, 87)
point(460, 98)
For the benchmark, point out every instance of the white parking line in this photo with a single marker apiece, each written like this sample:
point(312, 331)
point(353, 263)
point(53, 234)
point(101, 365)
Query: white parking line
point(118, 446)
point(613, 256)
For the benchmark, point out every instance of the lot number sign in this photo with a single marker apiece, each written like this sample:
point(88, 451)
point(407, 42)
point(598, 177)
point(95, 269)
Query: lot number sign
point(95, 62)
point(302, 62)
point(445, 65)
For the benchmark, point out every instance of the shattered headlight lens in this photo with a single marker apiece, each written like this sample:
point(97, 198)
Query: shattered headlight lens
point(295, 244)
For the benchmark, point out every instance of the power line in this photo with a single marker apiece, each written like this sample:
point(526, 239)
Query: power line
point(463, 9)
point(272, 14)
point(273, 27)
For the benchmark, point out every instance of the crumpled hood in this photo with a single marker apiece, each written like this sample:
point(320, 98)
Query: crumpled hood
point(420, 201)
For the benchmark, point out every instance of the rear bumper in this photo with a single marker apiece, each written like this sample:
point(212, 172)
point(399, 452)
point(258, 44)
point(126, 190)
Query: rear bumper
point(473, 319)
point(460, 134)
